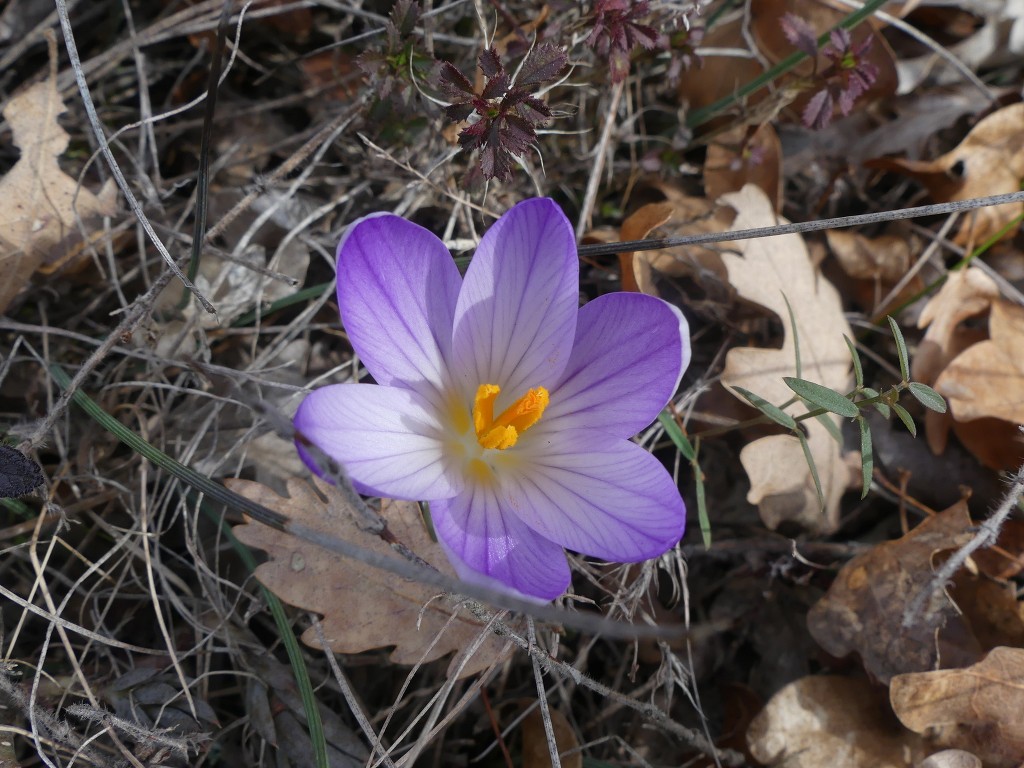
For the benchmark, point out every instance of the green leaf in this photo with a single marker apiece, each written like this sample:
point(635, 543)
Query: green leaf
point(905, 417)
point(675, 434)
point(858, 370)
point(901, 348)
point(829, 423)
point(823, 397)
point(814, 469)
point(867, 462)
point(775, 414)
point(796, 336)
point(928, 397)
point(702, 506)
point(882, 408)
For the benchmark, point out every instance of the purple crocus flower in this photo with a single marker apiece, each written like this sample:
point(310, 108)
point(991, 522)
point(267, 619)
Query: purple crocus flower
point(502, 402)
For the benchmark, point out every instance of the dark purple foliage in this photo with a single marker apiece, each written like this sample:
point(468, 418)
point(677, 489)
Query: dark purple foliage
point(800, 34)
point(389, 69)
point(616, 32)
point(507, 114)
point(848, 76)
point(682, 45)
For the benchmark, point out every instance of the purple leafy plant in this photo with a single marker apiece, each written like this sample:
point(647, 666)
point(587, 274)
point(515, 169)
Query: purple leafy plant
point(504, 114)
point(847, 77)
point(390, 69)
point(502, 402)
point(616, 31)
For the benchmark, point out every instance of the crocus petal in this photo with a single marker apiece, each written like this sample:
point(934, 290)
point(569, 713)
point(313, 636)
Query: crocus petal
point(596, 494)
point(629, 355)
point(384, 437)
point(516, 315)
point(397, 288)
point(490, 547)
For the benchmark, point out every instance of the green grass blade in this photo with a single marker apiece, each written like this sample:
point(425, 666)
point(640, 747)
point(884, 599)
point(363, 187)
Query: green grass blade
point(675, 434)
point(796, 337)
point(702, 506)
point(204, 484)
point(299, 297)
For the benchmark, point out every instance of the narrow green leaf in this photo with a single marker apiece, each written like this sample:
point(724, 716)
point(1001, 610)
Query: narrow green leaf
point(813, 467)
point(675, 434)
point(823, 397)
point(313, 292)
point(901, 348)
point(796, 336)
point(702, 506)
point(905, 417)
point(775, 414)
point(928, 397)
point(882, 408)
point(867, 462)
point(829, 423)
point(216, 491)
point(858, 370)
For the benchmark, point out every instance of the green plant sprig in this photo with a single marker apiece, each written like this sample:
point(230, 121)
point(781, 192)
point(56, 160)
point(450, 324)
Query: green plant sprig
point(823, 400)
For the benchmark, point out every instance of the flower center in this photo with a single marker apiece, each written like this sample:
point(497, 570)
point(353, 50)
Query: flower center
point(503, 432)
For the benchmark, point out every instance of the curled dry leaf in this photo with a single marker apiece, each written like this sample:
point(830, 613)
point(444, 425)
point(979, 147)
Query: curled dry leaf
point(678, 215)
point(966, 293)
point(977, 709)
point(770, 271)
point(980, 374)
point(831, 721)
point(363, 607)
point(885, 258)
point(989, 161)
point(44, 210)
point(987, 378)
point(864, 608)
point(876, 264)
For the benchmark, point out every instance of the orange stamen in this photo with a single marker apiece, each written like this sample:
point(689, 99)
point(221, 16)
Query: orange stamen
point(503, 432)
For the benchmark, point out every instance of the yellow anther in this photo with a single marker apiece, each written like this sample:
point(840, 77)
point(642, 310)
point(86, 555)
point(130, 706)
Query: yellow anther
point(503, 432)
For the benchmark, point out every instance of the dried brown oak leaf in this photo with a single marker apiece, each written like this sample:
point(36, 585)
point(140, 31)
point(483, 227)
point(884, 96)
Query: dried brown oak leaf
point(989, 161)
point(987, 379)
point(831, 721)
point(363, 607)
point(864, 608)
point(875, 265)
point(981, 375)
point(768, 271)
point(43, 208)
point(679, 214)
point(977, 709)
